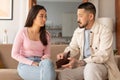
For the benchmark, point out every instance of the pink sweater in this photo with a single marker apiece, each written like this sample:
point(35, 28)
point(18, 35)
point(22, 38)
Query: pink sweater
point(24, 47)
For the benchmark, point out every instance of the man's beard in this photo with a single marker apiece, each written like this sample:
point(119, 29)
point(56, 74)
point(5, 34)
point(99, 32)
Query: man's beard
point(84, 26)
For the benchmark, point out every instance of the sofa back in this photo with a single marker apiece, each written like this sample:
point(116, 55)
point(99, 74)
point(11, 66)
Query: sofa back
point(55, 49)
point(5, 54)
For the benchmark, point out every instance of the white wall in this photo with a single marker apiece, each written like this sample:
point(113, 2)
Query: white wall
point(55, 10)
point(61, 0)
point(62, 14)
point(106, 9)
point(20, 9)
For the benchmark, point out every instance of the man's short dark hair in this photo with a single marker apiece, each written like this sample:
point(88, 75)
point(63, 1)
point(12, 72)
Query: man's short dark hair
point(88, 7)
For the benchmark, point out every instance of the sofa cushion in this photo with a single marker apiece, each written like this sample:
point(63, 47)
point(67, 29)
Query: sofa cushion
point(9, 74)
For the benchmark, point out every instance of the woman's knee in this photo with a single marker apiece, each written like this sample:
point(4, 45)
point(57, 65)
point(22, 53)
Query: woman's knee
point(46, 62)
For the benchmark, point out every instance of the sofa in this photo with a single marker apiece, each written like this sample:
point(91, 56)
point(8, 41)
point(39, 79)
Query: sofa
point(8, 70)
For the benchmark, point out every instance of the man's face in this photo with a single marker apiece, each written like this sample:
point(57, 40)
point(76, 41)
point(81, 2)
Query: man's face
point(82, 18)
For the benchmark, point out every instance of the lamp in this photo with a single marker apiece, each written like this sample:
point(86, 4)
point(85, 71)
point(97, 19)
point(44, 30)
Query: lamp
point(106, 21)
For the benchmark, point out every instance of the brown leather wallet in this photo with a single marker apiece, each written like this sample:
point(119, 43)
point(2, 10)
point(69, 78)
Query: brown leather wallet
point(63, 61)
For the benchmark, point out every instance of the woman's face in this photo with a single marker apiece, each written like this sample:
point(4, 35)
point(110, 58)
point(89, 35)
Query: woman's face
point(82, 18)
point(41, 18)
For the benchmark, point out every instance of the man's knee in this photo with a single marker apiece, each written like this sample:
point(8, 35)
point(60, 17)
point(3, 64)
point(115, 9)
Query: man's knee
point(62, 75)
point(66, 74)
point(90, 67)
point(93, 67)
point(94, 71)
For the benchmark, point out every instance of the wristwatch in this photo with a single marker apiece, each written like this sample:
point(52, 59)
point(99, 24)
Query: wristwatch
point(82, 63)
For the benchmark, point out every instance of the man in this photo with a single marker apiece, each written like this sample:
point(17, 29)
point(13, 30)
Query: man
point(93, 41)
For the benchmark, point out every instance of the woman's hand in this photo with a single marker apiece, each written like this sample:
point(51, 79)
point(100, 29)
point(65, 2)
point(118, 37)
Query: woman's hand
point(35, 64)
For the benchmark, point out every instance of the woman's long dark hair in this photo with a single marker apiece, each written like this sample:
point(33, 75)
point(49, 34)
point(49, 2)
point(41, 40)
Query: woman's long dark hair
point(29, 22)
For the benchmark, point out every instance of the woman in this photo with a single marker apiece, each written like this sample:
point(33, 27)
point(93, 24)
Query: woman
point(31, 47)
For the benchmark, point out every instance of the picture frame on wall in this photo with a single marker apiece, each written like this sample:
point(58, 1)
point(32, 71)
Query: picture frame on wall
point(6, 9)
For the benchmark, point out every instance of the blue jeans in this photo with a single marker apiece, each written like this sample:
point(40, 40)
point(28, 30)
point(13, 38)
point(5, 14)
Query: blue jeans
point(45, 70)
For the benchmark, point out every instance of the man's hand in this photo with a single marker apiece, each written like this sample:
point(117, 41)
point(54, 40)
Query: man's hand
point(35, 64)
point(60, 56)
point(81, 63)
point(74, 63)
point(71, 64)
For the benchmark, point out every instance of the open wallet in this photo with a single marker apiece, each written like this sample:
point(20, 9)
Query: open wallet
point(63, 61)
